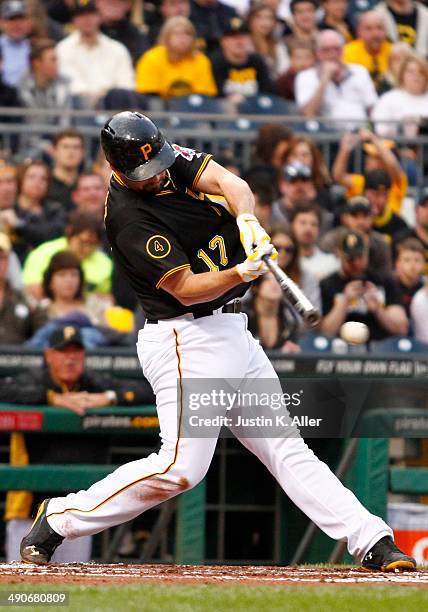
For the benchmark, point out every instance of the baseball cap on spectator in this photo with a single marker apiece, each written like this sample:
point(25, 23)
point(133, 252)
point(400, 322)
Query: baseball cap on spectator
point(422, 196)
point(5, 244)
point(297, 170)
point(7, 168)
point(358, 204)
point(65, 336)
point(83, 7)
point(13, 8)
point(352, 244)
point(379, 180)
point(235, 26)
point(370, 149)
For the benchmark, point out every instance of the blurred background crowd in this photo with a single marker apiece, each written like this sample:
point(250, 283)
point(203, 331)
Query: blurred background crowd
point(355, 240)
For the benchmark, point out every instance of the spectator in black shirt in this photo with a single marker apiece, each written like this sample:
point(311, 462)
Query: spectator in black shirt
point(406, 21)
point(237, 72)
point(37, 217)
point(377, 185)
point(357, 215)
point(409, 267)
point(420, 230)
point(115, 22)
point(68, 151)
point(211, 18)
point(355, 294)
point(65, 383)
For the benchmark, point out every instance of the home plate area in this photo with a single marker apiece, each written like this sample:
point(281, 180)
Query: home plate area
point(94, 573)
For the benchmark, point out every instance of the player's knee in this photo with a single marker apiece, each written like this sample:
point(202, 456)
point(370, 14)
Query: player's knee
point(197, 474)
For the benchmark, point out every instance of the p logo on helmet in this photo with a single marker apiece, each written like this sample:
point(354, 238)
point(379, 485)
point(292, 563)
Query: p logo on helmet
point(146, 149)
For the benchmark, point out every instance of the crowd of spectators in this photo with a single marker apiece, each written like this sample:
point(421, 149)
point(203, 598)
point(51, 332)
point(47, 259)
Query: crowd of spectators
point(352, 241)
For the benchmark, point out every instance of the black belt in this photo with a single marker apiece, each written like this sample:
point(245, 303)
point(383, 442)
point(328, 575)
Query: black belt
point(232, 307)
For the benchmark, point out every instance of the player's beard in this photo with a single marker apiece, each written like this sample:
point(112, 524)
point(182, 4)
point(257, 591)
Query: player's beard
point(154, 187)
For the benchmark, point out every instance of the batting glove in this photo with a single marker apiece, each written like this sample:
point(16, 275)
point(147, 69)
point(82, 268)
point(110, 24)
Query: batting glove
point(254, 266)
point(251, 232)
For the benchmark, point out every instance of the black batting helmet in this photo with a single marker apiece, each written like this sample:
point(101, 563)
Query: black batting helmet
point(134, 145)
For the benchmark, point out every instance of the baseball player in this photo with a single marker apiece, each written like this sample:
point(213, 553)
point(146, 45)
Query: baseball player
point(189, 259)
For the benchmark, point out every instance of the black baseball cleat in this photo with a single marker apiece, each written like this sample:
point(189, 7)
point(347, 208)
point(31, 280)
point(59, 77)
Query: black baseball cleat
point(384, 556)
point(40, 543)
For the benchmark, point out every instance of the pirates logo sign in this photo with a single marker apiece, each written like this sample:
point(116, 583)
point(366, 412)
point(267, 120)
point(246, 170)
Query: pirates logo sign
point(158, 246)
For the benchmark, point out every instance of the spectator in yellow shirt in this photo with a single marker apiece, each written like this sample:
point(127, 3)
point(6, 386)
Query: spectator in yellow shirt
point(378, 156)
point(175, 67)
point(371, 49)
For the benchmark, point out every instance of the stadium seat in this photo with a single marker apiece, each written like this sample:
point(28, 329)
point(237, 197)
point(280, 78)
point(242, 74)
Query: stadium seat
point(315, 343)
point(194, 103)
point(400, 345)
point(124, 99)
point(312, 126)
point(266, 105)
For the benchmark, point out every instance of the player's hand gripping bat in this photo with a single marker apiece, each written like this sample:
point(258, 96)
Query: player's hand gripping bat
point(294, 294)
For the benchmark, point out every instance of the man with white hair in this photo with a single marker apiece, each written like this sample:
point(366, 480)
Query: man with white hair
point(332, 89)
point(371, 49)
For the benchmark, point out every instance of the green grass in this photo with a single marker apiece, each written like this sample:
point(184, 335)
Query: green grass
point(231, 598)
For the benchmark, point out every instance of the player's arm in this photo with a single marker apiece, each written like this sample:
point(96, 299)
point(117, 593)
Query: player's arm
point(217, 180)
point(393, 318)
point(189, 288)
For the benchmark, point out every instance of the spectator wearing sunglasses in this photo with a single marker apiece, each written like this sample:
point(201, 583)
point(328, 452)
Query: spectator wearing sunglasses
point(289, 261)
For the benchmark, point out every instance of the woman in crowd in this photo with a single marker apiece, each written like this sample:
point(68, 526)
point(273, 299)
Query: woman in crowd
point(36, 218)
point(64, 303)
point(288, 260)
point(399, 52)
point(267, 318)
point(270, 148)
point(262, 24)
point(304, 150)
point(175, 67)
point(407, 103)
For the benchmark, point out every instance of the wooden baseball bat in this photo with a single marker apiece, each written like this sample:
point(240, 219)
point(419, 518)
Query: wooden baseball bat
point(294, 294)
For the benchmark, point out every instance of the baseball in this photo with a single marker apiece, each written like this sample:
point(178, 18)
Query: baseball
point(354, 332)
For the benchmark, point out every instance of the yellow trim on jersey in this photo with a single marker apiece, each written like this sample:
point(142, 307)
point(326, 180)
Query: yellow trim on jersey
point(201, 169)
point(164, 192)
point(118, 179)
point(172, 271)
point(180, 377)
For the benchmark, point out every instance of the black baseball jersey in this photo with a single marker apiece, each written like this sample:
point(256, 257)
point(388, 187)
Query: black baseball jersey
point(154, 235)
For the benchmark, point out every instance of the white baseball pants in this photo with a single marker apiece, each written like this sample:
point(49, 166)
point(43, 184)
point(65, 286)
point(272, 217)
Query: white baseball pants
point(218, 346)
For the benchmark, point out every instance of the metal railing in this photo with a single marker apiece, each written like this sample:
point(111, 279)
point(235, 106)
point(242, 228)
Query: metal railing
point(25, 133)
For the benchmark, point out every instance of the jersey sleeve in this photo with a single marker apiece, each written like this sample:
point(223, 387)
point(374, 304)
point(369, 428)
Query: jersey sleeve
point(188, 166)
point(156, 252)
